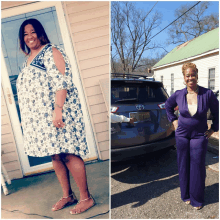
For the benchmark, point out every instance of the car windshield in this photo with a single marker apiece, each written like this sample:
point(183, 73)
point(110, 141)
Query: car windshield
point(137, 92)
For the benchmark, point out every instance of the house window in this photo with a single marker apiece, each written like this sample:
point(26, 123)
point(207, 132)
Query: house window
point(172, 84)
point(161, 79)
point(211, 83)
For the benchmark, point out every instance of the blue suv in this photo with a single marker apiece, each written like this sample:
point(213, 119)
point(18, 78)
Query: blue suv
point(143, 99)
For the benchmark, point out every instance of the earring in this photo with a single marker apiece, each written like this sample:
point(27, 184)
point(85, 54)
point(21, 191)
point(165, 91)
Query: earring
point(184, 82)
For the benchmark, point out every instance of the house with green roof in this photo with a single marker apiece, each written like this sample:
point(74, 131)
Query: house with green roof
point(203, 51)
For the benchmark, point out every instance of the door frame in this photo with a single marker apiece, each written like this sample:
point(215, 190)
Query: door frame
point(26, 169)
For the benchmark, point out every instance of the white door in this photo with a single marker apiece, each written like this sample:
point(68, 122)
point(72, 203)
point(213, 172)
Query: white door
point(50, 14)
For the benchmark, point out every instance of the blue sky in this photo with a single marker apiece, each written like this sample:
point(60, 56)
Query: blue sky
point(167, 8)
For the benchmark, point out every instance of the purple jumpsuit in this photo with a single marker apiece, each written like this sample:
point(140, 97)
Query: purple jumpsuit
point(191, 142)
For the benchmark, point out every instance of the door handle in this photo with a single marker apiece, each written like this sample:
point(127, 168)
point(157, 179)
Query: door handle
point(9, 96)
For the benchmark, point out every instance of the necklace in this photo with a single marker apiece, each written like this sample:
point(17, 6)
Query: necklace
point(196, 91)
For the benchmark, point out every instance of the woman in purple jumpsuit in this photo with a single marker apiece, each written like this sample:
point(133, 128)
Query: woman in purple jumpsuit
point(192, 133)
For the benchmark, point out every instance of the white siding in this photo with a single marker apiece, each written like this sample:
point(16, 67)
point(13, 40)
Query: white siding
point(9, 4)
point(203, 64)
point(9, 153)
point(89, 27)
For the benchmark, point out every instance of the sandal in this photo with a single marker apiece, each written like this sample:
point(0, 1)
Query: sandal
point(197, 208)
point(54, 208)
point(187, 202)
point(75, 211)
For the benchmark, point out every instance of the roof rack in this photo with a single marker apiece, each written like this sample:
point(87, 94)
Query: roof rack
point(130, 76)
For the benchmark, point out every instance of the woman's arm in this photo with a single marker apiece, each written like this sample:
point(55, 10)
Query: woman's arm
point(61, 94)
point(170, 104)
point(214, 107)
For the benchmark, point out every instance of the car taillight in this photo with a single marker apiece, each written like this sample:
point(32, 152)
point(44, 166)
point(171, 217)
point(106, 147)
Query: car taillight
point(114, 109)
point(162, 105)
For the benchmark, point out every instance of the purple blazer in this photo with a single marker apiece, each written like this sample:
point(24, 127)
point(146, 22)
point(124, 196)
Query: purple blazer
point(206, 100)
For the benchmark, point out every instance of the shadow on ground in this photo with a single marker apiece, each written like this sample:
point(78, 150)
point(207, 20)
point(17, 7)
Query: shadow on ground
point(145, 168)
point(158, 174)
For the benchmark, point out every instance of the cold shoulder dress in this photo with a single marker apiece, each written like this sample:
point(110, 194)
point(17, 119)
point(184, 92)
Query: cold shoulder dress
point(37, 85)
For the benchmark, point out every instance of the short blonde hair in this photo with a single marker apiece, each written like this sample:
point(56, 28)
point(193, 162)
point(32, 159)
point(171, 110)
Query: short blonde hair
point(189, 65)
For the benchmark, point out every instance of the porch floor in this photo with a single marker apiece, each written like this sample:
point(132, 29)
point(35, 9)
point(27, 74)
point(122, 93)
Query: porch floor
point(32, 197)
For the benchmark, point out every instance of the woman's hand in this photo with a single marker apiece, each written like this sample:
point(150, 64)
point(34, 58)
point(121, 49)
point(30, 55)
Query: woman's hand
point(57, 118)
point(208, 133)
point(175, 124)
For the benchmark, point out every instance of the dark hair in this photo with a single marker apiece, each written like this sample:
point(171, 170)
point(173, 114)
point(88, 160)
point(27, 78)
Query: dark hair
point(41, 34)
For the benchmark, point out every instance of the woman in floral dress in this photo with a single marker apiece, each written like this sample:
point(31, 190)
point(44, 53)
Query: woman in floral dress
point(51, 113)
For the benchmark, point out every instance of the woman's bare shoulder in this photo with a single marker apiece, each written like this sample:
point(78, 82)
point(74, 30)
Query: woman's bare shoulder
point(57, 53)
point(59, 60)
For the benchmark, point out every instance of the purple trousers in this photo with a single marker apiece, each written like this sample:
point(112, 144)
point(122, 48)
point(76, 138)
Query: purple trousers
point(191, 152)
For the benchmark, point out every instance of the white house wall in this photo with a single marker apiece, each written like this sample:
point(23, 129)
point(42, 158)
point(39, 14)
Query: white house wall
point(203, 64)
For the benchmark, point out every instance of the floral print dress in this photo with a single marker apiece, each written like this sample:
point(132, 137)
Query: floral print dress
point(37, 85)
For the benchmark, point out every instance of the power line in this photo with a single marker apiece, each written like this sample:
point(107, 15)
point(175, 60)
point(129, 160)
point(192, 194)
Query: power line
point(174, 20)
point(152, 8)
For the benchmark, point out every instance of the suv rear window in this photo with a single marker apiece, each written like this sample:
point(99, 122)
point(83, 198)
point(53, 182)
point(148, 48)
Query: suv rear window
point(142, 92)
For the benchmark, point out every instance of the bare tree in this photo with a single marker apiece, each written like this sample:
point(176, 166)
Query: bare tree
point(192, 24)
point(131, 30)
point(147, 63)
point(143, 67)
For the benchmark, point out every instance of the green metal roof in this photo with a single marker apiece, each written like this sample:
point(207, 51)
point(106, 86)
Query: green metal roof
point(204, 43)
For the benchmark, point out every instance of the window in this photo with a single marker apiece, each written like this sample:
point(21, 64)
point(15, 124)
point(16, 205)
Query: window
point(161, 79)
point(211, 83)
point(10, 27)
point(172, 84)
point(137, 93)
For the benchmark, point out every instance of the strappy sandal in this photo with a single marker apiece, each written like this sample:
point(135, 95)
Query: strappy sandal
point(66, 204)
point(187, 202)
point(75, 209)
point(197, 208)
